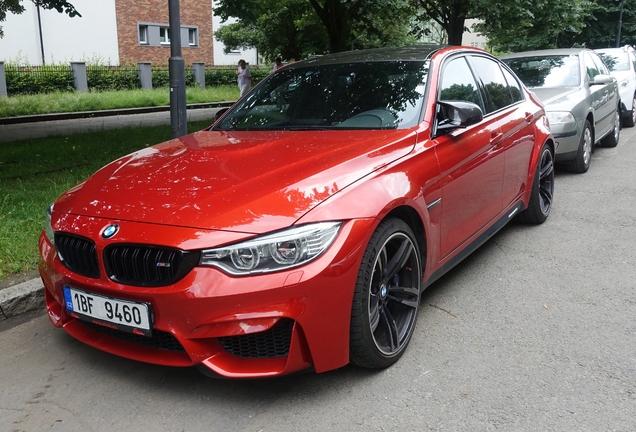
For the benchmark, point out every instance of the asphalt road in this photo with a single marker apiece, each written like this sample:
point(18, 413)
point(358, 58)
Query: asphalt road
point(534, 331)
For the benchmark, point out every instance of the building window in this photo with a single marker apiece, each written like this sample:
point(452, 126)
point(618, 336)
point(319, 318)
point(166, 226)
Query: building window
point(193, 39)
point(159, 34)
point(143, 35)
point(164, 35)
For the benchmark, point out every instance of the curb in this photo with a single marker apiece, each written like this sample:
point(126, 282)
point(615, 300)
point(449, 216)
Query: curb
point(24, 297)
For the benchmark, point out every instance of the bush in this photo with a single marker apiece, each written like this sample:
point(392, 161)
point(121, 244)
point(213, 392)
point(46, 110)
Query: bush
point(105, 78)
point(161, 77)
point(227, 75)
point(38, 79)
point(220, 76)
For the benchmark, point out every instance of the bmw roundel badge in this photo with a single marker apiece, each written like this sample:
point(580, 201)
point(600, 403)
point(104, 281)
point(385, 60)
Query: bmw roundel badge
point(110, 231)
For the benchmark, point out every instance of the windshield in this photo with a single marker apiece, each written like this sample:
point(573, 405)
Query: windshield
point(547, 71)
point(369, 95)
point(616, 62)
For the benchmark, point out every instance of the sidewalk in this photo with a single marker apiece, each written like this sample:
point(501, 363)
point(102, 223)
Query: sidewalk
point(28, 296)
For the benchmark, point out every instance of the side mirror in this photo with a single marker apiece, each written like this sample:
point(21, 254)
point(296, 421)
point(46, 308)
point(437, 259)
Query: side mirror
point(457, 114)
point(601, 80)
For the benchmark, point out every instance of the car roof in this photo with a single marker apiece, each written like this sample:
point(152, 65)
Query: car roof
point(545, 53)
point(407, 53)
point(625, 48)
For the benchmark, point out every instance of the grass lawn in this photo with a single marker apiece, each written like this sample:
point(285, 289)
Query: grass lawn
point(34, 172)
point(93, 101)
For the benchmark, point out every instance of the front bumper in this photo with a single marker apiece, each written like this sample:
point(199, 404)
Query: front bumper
point(567, 136)
point(218, 321)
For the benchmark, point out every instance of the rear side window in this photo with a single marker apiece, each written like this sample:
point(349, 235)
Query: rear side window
point(496, 86)
point(458, 83)
point(515, 88)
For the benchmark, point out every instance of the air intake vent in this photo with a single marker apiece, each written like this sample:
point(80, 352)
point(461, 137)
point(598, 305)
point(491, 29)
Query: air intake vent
point(271, 343)
point(143, 265)
point(159, 339)
point(77, 254)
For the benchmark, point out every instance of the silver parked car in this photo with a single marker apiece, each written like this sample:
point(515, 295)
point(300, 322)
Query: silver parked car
point(580, 96)
point(622, 65)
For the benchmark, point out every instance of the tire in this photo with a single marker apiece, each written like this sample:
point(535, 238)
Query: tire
point(386, 297)
point(581, 162)
point(611, 140)
point(631, 120)
point(542, 189)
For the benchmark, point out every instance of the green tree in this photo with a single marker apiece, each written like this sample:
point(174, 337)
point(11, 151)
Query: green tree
point(274, 27)
point(601, 25)
point(15, 6)
point(344, 23)
point(449, 14)
point(394, 26)
point(518, 25)
point(521, 25)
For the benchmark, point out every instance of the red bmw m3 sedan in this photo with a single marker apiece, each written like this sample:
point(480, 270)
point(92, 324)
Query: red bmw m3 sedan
point(299, 230)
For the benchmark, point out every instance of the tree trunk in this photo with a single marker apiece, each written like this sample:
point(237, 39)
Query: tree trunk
point(455, 31)
point(334, 15)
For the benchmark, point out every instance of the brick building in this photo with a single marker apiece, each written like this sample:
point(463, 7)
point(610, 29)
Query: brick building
point(114, 32)
point(143, 33)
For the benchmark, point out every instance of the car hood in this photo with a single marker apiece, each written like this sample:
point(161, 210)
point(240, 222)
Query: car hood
point(556, 96)
point(250, 182)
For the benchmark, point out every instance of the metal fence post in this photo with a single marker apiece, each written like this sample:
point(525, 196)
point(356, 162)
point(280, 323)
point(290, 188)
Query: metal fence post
point(198, 70)
point(79, 76)
point(3, 81)
point(145, 75)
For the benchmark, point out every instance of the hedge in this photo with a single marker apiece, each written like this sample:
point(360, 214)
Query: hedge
point(47, 79)
point(37, 79)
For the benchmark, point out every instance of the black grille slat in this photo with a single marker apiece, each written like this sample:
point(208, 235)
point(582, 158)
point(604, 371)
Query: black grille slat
point(268, 344)
point(78, 254)
point(147, 265)
point(159, 339)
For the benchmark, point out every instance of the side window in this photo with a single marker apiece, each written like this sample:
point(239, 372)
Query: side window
point(600, 66)
point(515, 88)
point(458, 83)
point(592, 70)
point(492, 77)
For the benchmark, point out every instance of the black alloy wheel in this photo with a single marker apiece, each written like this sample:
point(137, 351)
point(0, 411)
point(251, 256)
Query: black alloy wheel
point(386, 297)
point(542, 189)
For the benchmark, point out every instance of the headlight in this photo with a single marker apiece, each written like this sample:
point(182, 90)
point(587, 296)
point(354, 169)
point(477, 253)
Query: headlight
point(560, 117)
point(273, 252)
point(48, 229)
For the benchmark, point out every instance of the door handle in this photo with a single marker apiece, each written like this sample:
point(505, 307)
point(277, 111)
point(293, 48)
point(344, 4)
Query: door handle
point(529, 117)
point(495, 138)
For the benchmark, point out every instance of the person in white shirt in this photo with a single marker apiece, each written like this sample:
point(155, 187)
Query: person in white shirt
point(244, 77)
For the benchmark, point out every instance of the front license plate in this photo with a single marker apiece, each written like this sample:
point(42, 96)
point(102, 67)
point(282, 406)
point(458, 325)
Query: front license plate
point(126, 315)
